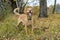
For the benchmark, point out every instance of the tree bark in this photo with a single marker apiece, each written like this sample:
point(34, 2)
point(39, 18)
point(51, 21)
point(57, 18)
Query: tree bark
point(21, 5)
point(54, 7)
point(43, 8)
point(2, 5)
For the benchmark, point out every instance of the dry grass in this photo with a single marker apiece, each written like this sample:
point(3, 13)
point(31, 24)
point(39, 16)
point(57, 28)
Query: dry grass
point(43, 27)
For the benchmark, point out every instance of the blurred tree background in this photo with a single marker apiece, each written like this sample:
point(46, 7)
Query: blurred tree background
point(5, 10)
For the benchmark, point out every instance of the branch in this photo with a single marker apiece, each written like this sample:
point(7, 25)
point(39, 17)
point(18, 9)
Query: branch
point(25, 4)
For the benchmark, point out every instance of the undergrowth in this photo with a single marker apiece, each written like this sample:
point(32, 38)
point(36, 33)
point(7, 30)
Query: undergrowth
point(44, 28)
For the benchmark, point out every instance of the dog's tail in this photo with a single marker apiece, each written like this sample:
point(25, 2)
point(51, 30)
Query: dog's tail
point(16, 11)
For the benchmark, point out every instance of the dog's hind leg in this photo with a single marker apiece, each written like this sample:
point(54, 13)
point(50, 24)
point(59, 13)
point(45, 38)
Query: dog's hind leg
point(18, 24)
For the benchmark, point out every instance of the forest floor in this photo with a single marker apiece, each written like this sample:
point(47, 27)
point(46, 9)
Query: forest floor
point(46, 28)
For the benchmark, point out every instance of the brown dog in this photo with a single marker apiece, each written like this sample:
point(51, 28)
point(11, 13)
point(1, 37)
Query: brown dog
point(22, 18)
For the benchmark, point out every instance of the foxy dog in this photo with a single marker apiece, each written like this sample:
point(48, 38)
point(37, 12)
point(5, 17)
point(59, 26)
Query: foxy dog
point(22, 18)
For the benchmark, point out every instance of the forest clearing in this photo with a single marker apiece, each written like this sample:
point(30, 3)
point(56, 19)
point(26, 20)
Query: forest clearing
point(45, 20)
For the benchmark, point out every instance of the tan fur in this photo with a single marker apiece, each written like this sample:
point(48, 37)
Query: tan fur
point(22, 18)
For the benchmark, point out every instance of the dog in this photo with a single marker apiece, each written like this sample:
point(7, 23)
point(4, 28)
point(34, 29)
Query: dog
point(22, 18)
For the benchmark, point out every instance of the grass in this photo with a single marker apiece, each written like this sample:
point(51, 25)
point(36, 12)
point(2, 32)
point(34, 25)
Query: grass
point(43, 28)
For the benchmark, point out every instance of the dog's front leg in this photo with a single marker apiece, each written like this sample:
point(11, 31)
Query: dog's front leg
point(26, 29)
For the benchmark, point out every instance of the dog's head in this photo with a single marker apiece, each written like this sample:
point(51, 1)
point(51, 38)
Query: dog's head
point(27, 10)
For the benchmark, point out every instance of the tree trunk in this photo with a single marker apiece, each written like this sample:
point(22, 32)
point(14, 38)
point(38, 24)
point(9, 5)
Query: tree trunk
point(54, 7)
point(2, 5)
point(21, 5)
point(43, 8)
point(13, 4)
